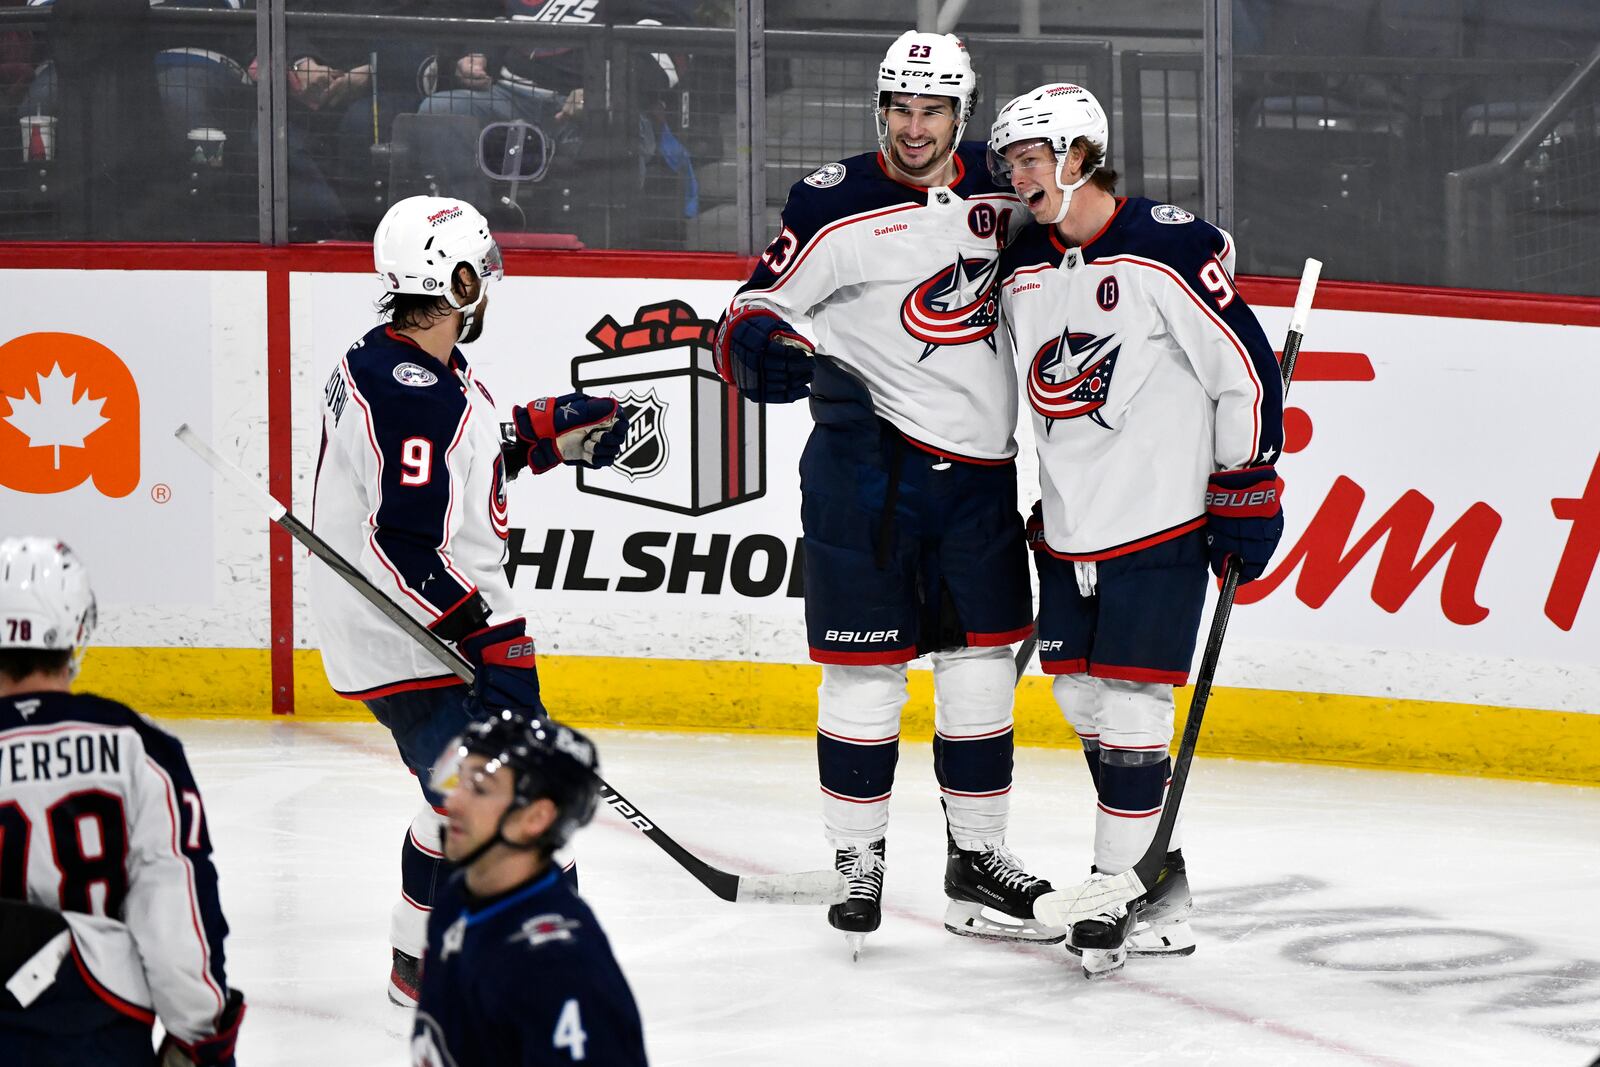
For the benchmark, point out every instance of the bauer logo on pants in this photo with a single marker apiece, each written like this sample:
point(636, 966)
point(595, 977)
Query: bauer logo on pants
point(694, 445)
point(69, 411)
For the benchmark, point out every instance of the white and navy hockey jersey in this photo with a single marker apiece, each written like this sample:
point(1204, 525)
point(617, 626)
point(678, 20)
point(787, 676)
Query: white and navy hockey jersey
point(1145, 372)
point(526, 979)
point(898, 283)
point(101, 820)
point(411, 490)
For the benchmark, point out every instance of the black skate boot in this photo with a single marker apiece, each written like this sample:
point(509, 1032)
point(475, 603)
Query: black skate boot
point(1102, 940)
point(405, 979)
point(862, 911)
point(1161, 916)
point(993, 879)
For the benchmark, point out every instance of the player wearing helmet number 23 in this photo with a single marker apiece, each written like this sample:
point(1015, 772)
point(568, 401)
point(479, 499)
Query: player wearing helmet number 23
point(1158, 412)
point(411, 487)
point(877, 300)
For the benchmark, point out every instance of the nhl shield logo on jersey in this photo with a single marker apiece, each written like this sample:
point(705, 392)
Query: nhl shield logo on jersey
point(1171, 214)
point(1058, 391)
point(645, 451)
point(826, 175)
point(956, 306)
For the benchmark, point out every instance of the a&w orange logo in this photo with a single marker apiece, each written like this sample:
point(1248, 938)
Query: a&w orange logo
point(69, 410)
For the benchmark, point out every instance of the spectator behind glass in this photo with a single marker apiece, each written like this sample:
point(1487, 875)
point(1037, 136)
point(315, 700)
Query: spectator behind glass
point(344, 92)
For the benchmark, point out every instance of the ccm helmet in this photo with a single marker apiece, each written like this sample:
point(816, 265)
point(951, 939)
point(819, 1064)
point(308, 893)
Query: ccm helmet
point(1058, 114)
point(927, 64)
point(544, 758)
point(421, 241)
point(45, 599)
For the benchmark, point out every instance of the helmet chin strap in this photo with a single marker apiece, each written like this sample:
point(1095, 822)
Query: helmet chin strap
point(499, 838)
point(1066, 190)
point(469, 312)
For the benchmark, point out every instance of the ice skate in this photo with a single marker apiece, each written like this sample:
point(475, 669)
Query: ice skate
point(862, 911)
point(1103, 940)
point(994, 879)
point(1161, 916)
point(405, 979)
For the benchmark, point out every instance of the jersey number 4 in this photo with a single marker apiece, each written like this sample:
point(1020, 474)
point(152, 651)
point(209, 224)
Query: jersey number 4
point(569, 1033)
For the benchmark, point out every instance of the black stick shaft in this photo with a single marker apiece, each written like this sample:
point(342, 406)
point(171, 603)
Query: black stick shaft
point(1149, 866)
point(720, 882)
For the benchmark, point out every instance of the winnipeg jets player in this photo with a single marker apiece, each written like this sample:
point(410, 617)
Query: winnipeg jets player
point(105, 853)
point(411, 488)
point(517, 970)
point(1158, 412)
point(885, 269)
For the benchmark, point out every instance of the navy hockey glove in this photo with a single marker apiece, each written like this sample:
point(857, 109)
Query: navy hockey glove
point(214, 1051)
point(1244, 518)
point(502, 659)
point(764, 357)
point(577, 429)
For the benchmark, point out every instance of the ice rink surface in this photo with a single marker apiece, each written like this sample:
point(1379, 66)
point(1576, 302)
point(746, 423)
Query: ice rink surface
point(1344, 916)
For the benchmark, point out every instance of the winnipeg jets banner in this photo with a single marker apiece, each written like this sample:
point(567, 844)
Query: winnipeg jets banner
point(89, 394)
point(1443, 496)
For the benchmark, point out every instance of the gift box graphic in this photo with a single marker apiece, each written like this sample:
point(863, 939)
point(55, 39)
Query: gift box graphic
point(694, 445)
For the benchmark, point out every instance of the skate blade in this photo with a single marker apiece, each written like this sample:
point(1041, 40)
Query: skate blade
point(1106, 965)
point(966, 919)
point(855, 941)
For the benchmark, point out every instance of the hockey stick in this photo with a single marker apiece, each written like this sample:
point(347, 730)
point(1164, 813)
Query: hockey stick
point(1067, 906)
point(806, 887)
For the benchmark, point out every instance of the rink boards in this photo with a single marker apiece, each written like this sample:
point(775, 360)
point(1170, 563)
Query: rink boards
point(1430, 606)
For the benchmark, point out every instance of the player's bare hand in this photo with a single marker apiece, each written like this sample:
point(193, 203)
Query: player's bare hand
point(472, 71)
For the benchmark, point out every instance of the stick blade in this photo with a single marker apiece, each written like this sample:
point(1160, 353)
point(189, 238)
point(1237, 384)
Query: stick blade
point(804, 887)
point(1063, 907)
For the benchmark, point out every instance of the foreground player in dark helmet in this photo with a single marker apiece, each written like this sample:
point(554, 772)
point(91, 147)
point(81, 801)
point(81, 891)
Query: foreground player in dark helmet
point(517, 971)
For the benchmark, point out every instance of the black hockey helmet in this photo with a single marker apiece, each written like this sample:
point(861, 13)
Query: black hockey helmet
point(547, 759)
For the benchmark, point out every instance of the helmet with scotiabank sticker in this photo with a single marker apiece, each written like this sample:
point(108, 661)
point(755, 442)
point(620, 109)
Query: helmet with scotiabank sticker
point(422, 242)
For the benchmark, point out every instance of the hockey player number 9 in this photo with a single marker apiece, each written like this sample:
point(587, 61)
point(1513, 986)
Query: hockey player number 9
point(416, 459)
point(1216, 280)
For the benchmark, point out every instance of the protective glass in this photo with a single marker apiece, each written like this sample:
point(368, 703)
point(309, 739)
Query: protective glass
point(1039, 162)
point(494, 265)
point(446, 775)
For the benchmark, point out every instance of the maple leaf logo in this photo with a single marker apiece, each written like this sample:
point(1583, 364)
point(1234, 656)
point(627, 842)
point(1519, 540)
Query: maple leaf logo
point(56, 419)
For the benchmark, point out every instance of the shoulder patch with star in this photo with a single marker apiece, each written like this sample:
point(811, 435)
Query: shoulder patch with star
point(826, 175)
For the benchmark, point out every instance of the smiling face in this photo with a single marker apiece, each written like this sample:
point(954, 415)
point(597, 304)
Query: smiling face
point(921, 131)
point(1033, 176)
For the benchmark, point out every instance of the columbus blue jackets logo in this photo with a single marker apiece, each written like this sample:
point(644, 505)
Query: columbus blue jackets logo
point(956, 306)
point(1074, 383)
point(645, 451)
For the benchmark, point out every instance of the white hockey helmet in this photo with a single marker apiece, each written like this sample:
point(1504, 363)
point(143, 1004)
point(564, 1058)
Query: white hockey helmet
point(1058, 114)
point(927, 64)
point(421, 240)
point(930, 64)
point(45, 599)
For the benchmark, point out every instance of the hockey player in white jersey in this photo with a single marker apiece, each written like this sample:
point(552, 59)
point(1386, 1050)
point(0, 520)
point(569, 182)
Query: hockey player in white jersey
point(1158, 411)
point(109, 913)
point(877, 299)
point(410, 486)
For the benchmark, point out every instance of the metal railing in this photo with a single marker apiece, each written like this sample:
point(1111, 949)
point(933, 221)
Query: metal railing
point(1532, 213)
